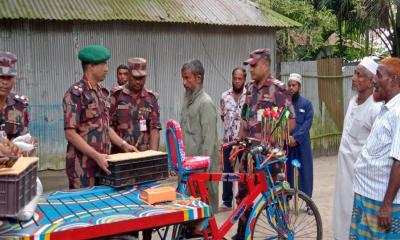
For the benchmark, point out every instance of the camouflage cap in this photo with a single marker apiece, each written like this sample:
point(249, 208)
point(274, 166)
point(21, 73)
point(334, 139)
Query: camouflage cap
point(137, 67)
point(262, 53)
point(7, 62)
point(94, 54)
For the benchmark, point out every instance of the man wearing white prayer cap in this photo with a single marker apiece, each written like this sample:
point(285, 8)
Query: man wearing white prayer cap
point(360, 116)
point(299, 139)
point(295, 77)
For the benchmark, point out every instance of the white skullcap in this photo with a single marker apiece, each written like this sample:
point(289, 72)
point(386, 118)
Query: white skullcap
point(295, 77)
point(369, 64)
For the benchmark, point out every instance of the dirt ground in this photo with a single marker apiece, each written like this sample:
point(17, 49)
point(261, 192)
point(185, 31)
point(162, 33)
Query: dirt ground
point(324, 188)
point(324, 178)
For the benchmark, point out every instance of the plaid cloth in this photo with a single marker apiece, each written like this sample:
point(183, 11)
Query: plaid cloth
point(364, 220)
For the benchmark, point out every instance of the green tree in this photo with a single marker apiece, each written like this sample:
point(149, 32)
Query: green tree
point(356, 18)
point(305, 42)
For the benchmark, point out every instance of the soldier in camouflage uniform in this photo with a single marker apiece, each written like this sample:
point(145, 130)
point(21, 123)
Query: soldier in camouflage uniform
point(86, 121)
point(135, 114)
point(264, 91)
point(14, 113)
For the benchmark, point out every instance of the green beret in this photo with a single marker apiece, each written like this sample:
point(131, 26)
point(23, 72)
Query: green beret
point(94, 54)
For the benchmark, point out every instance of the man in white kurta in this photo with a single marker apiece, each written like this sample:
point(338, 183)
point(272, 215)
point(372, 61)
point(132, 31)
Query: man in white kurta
point(360, 116)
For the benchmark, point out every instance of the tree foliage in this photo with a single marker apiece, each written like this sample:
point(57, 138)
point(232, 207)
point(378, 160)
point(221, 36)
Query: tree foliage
point(305, 42)
point(358, 18)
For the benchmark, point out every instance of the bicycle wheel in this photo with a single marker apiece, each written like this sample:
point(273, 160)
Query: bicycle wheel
point(306, 225)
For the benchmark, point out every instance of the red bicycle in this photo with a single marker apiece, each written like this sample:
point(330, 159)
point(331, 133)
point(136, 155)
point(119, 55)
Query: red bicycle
point(275, 211)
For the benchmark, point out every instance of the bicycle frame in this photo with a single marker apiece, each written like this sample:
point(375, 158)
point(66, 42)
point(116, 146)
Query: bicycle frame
point(261, 190)
point(264, 188)
point(256, 184)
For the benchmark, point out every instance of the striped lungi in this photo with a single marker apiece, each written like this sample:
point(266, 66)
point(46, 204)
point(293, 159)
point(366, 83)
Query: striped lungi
point(364, 220)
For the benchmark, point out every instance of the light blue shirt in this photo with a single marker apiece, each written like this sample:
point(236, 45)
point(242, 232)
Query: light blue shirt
point(373, 165)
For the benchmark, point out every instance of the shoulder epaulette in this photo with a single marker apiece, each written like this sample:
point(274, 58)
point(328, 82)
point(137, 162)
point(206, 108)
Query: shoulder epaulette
point(155, 94)
point(279, 83)
point(77, 89)
point(22, 99)
point(116, 89)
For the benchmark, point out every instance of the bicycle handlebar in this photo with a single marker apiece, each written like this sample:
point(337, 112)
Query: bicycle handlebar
point(230, 144)
point(258, 149)
point(244, 142)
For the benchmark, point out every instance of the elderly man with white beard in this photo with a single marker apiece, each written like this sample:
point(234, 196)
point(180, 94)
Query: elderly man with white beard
point(360, 116)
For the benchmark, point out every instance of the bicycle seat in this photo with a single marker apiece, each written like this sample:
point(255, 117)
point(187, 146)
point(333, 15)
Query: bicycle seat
point(176, 152)
point(196, 163)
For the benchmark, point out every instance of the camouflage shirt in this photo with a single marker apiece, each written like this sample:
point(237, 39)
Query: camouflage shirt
point(14, 116)
point(132, 117)
point(272, 93)
point(86, 109)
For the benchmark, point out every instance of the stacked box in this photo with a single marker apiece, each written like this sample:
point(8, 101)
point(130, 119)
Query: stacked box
point(135, 168)
point(17, 186)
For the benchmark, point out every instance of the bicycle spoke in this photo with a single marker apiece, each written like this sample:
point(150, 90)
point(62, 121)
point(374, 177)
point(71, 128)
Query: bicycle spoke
point(268, 227)
point(263, 227)
point(306, 221)
point(263, 233)
point(265, 236)
point(306, 234)
point(269, 231)
point(293, 210)
point(265, 221)
point(301, 228)
point(300, 222)
point(297, 237)
point(294, 215)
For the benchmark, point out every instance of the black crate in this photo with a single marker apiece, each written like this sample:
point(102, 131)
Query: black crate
point(137, 163)
point(122, 182)
point(137, 170)
point(16, 191)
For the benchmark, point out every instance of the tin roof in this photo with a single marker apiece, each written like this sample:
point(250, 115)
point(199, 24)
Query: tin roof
point(215, 12)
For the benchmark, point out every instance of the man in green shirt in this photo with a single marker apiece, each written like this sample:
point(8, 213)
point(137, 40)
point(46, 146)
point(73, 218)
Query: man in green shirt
point(199, 122)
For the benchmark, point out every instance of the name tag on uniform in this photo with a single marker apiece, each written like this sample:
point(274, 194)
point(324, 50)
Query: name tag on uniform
point(142, 124)
point(267, 98)
point(260, 113)
point(302, 110)
point(123, 107)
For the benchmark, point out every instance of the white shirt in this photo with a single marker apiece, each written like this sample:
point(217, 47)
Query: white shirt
point(372, 168)
point(356, 128)
point(231, 111)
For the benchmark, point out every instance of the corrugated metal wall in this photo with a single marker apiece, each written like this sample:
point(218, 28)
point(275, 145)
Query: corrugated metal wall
point(348, 93)
point(309, 72)
point(47, 64)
